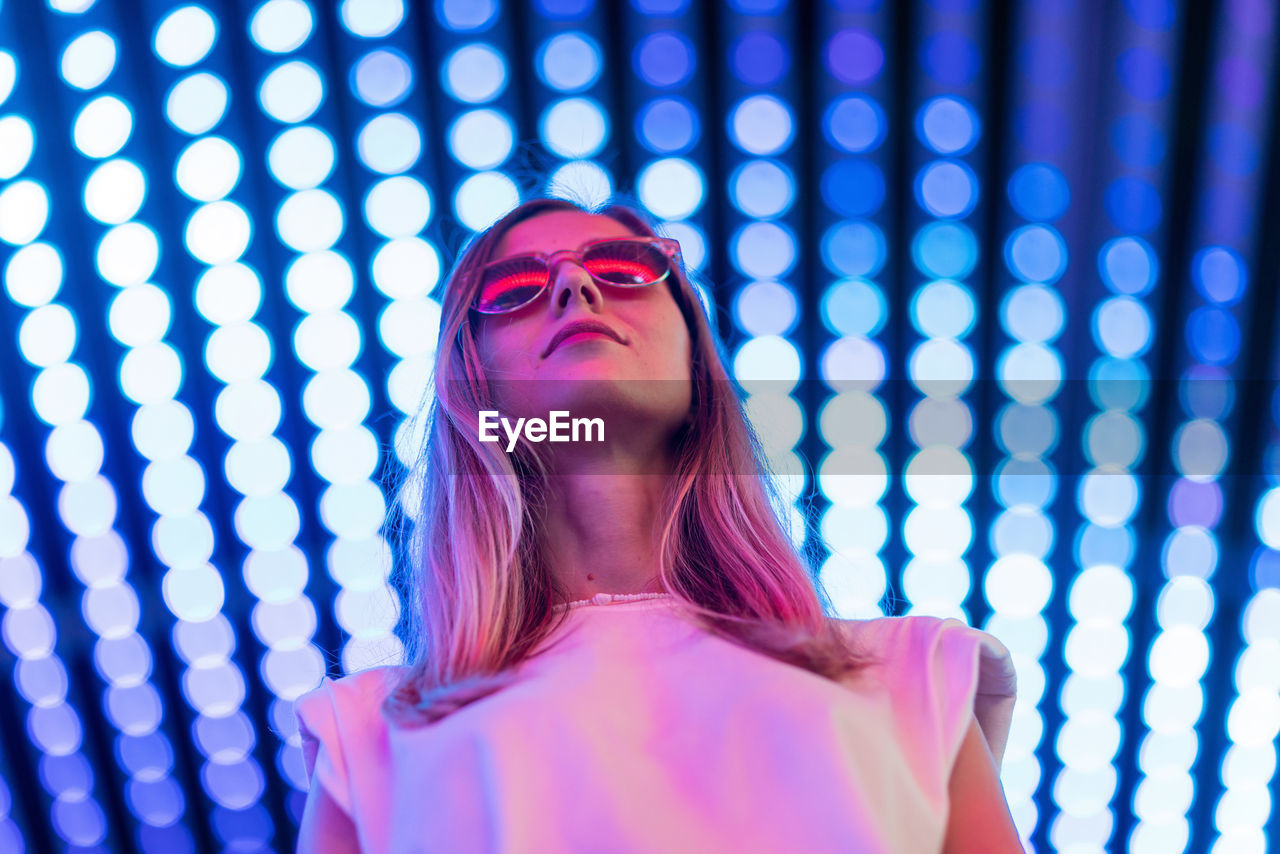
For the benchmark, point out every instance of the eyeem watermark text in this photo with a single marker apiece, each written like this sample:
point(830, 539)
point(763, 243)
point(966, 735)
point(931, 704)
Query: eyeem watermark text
point(558, 428)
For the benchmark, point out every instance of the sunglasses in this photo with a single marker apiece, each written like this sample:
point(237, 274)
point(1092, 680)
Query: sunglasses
point(621, 262)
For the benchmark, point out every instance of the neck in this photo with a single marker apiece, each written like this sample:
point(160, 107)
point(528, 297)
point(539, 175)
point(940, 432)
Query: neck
point(601, 529)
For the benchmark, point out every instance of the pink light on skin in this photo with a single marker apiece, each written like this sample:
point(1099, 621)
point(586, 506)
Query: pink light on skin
point(582, 336)
point(594, 376)
point(641, 387)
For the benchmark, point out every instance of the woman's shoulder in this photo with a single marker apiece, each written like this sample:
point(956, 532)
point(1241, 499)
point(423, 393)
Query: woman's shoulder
point(351, 697)
point(925, 639)
point(894, 637)
point(342, 731)
point(945, 666)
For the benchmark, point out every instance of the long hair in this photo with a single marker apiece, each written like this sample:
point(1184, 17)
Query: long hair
point(477, 594)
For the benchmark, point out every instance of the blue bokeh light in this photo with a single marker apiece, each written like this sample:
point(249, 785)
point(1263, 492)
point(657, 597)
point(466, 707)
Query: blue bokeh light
point(945, 250)
point(947, 189)
point(1133, 205)
point(467, 15)
point(855, 124)
point(759, 58)
point(382, 78)
point(1220, 274)
point(1039, 192)
point(569, 62)
point(668, 126)
point(854, 248)
point(853, 187)
point(1128, 265)
point(948, 125)
point(762, 188)
point(1036, 253)
point(665, 59)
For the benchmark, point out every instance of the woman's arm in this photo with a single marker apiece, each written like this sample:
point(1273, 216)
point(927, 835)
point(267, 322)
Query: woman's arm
point(325, 828)
point(979, 821)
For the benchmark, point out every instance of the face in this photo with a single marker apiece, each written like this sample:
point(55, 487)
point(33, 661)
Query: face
point(643, 377)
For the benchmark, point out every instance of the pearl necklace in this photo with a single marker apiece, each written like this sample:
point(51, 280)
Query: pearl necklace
point(612, 598)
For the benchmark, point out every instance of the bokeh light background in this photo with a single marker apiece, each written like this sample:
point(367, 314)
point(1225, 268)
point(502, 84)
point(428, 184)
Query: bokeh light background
point(998, 278)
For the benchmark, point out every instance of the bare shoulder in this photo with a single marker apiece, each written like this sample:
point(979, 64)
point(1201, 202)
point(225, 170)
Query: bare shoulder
point(978, 818)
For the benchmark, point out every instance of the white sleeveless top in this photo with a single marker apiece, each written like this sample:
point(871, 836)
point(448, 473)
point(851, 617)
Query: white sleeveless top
point(641, 732)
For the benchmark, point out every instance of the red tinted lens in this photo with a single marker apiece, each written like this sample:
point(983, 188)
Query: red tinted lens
point(510, 284)
point(628, 263)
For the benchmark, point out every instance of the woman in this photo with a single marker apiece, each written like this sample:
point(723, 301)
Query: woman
point(612, 644)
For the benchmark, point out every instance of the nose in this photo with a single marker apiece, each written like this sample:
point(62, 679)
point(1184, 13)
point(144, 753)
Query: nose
point(571, 282)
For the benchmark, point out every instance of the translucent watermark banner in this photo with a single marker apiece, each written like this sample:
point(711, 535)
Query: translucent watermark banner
point(1021, 428)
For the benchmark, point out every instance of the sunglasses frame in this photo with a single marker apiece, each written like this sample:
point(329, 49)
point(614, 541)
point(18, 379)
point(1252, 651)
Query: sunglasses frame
point(668, 245)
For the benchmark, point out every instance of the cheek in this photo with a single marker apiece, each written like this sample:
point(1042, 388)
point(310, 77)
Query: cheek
point(496, 345)
point(485, 348)
point(677, 344)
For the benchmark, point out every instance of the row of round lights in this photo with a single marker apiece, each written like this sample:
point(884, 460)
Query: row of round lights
point(87, 506)
point(669, 185)
point(54, 724)
point(1019, 584)
point(938, 477)
point(205, 171)
point(1246, 58)
point(1102, 594)
point(763, 248)
point(854, 421)
point(574, 126)
point(238, 352)
point(481, 137)
point(405, 268)
point(1180, 652)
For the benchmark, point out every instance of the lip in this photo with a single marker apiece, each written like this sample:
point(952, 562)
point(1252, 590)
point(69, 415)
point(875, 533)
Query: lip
point(580, 326)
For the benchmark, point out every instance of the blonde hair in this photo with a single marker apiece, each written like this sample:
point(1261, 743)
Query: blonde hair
point(478, 597)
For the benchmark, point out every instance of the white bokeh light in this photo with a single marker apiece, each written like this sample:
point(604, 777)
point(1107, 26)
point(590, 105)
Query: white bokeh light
point(24, 212)
point(197, 103)
point(574, 128)
point(398, 207)
point(139, 315)
point(102, 127)
point(88, 60)
point(327, 341)
point(672, 188)
point(47, 335)
point(582, 181)
point(481, 139)
point(228, 293)
point(310, 220)
point(128, 254)
point(185, 36)
point(301, 157)
point(406, 267)
point(17, 142)
point(319, 281)
point(281, 26)
point(475, 73)
point(389, 143)
point(8, 74)
point(115, 191)
point(372, 19)
point(208, 169)
point(33, 275)
point(484, 198)
point(218, 233)
point(60, 394)
point(291, 92)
